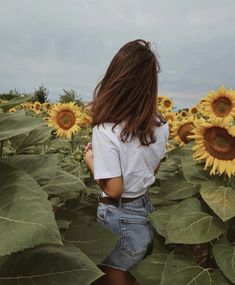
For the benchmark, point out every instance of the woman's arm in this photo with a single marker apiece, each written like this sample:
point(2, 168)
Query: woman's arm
point(113, 187)
point(156, 170)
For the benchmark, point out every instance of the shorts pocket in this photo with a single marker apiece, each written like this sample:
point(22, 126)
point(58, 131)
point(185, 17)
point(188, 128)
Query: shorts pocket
point(135, 236)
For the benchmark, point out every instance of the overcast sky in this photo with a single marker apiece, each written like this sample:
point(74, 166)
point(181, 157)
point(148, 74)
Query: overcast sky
point(68, 44)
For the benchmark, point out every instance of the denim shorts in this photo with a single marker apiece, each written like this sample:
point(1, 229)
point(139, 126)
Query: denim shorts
point(129, 222)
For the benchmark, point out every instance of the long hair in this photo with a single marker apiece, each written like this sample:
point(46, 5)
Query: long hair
point(128, 93)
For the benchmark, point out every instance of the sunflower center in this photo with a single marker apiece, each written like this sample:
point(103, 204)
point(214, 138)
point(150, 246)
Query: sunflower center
point(184, 131)
point(66, 119)
point(37, 107)
point(219, 143)
point(167, 103)
point(222, 106)
point(194, 110)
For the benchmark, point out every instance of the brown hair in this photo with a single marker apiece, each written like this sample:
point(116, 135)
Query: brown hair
point(128, 93)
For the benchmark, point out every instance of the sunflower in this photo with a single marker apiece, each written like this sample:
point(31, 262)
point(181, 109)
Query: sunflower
point(193, 110)
point(65, 118)
point(46, 106)
point(215, 142)
point(37, 106)
point(182, 130)
point(12, 110)
point(183, 114)
point(168, 104)
point(165, 102)
point(220, 105)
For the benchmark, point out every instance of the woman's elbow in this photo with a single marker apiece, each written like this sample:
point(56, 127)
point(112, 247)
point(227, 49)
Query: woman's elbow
point(113, 187)
point(114, 193)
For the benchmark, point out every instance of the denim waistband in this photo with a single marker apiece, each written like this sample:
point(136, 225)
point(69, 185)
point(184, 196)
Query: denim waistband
point(144, 197)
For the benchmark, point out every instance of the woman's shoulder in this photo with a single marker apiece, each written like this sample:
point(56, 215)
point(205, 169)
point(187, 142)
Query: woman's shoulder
point(105, 130)
point(106, 127)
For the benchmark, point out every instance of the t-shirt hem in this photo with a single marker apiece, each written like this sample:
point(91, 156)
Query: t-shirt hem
point(107, 175)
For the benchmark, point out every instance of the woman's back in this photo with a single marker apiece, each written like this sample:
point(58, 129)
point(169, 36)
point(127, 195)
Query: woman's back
point(136, 163)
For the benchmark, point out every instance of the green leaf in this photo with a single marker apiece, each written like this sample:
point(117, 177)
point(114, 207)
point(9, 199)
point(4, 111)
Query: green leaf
point(14, 102)
point(224, 254)
point(59, 145)
point(167, 169)
point(221, 199)
point(190, 225)
point(42, 167)
point(50, 265)
point(149, 270)
point(92, 238)
point(181, 268)
point(160, 219)
point(178, 152)
point(177, 188)
point(14, 124)
point(26, 217)
point(193, 171)
point(35, 137)
point(65, 185)
point(218, 278)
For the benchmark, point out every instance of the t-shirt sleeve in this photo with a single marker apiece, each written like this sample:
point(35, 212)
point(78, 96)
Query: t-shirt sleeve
point(166, 137)
point(106, 158)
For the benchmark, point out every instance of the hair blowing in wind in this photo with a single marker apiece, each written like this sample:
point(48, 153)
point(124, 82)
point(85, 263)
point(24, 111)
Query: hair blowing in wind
point(128, 92)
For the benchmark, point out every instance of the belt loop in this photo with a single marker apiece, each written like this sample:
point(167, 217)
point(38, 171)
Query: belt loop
point(144, 199)
point(120, 202)
point(145, 204)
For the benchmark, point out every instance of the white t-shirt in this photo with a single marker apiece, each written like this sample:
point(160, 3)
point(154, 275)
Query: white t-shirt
point(112, 158)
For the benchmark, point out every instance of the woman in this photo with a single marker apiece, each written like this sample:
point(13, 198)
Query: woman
point(128, 142)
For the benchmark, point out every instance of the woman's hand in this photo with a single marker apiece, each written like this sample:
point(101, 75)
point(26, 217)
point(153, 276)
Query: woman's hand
point(87, 147)
point(89, 157)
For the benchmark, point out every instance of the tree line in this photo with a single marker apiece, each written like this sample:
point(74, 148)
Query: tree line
point(41, 94)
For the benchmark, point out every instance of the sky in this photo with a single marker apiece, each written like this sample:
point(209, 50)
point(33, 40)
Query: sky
point(68, 44)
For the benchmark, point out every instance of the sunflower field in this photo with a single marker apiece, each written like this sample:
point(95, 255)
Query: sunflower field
point(48, 198)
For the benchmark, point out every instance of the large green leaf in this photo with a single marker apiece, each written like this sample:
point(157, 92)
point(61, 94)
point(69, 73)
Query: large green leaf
point(65, 185)
point(178, 152)
point(92, 238)
point(190, 225)
point(181, 269)
point(48, 265)
point(149, 270)
point(221, 199)
point(193, 171)
point(161, 217)
point(14, 102)
point(13, 124)
point(157, 201)
point(35, 137)
point(26, 217)
point(42, 167)
point(177, 188)
point(224, 254)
